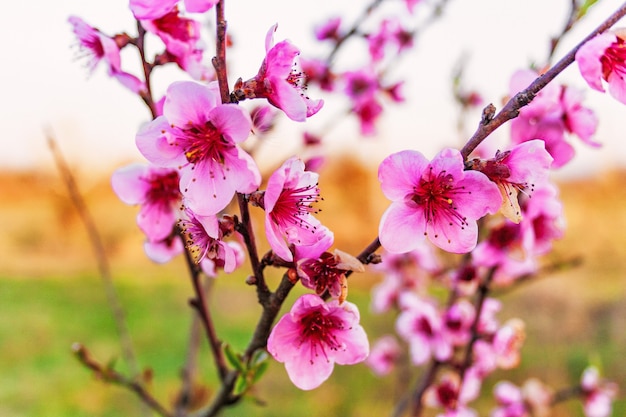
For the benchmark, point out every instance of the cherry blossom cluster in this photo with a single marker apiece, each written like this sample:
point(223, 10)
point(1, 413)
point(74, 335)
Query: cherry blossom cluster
point(494, 213)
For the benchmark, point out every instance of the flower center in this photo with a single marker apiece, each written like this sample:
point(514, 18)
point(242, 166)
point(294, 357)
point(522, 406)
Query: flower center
point(447, 394)
point(504, 236)
point(613, 59)
point(179, 28)
point(320, 331)
point(203, 143)
point(163, 189)
point(323, 272)
point(423, 326)
point(435, 195)
point(295, 205)
point(199, 243)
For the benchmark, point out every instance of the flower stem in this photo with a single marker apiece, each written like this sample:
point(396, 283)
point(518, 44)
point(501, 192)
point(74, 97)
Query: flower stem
point(147, 70)
point(219, 60)
point(199, 303)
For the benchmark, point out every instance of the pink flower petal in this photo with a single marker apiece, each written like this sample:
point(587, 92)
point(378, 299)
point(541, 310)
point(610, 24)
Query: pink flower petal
point(156, 221)
point(152, 141)
point(232, 120)
point(128, 185)
point(397, 187)
point(151, 9)
point(617, 86)
point(402, 227)
point(199, 6)
point(190, 103)
point(588, 59)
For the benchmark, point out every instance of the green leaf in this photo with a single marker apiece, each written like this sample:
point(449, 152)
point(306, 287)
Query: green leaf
point(234, 359)
point(584, 8)
point(241, 385)
point(259, 370)
point(259, 356)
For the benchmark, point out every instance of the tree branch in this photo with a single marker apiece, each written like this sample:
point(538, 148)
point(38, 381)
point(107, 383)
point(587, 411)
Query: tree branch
point(521, 99)
point(219, 60)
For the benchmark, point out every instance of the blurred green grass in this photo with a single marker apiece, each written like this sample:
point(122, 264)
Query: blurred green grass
point(51, 297)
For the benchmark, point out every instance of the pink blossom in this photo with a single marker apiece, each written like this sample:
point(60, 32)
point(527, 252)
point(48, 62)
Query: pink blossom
point(488, 324)
point(164, 250)
point(328, 272)
point(394, 91)
point(154, 9)
point(520, 169)
point(156, 190)
point(390, 33)
point(199, 134)
point(288, 202)
point(510, 401)
point(544, 220)
point(314, 336)
point(436, 199)
point(98, 47)
point(555, 111)
point(579, 120)
point(457, 322)
point(597, 394)
point(532, 399)
point(538, 397)
point(448, 393)
point(317, 71)
point(281, 81)
point(181, 37)
point(384, 355)
point(328, 30)
point(368, 112)
point(466, 279)
point(205, 236)
point(504, 248)
point(263, 119)
point(604, 58)
point(178, 33)
point(421, 325)
point(507, 343)
point(361, 85)
point(403, 272)
point(410, 4)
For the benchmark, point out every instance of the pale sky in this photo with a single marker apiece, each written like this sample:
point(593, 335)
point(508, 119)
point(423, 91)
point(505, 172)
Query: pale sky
point(44, 85)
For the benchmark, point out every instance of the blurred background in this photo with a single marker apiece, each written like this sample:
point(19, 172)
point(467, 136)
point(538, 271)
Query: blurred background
point(51, 294)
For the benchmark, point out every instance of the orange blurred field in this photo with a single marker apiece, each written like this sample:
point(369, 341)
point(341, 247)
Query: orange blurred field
point(572, 316)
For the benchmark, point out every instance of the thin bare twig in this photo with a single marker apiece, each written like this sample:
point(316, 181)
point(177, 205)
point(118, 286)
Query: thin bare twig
point(95, 241)
point(147, 70)
point(109, 375)
point(199, 303)
point(190, 369)
point(219, 60)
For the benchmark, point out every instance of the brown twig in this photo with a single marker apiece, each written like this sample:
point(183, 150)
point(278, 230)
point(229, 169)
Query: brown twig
point(147, 70)
point(521, 99)
point(219, 60)
point(479, 302)
point(569, 24)
point(271, 308)
point(244, 227)
point(199, 303)
point(99, 251)
point(109, 375)
point(190, 369)
point(354, 29)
